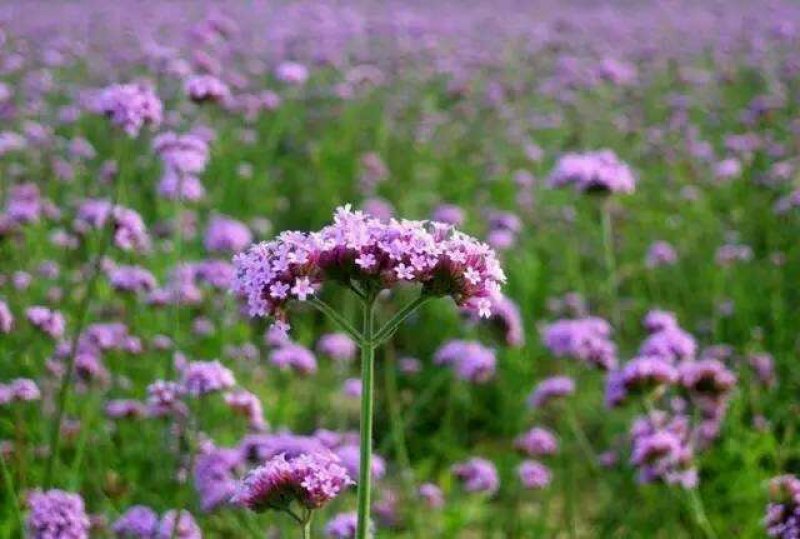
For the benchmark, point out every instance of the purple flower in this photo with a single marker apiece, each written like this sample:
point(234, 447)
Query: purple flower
point(533, 474)
point(671, 344)
point(600, 171)
point(292, 73)
point(226, 235)
point(164, 398)
point(203, 377)
point(338, 346)
point(661, 449)
point(707, 379)
point(349, 456)
point(370, 251)
point(352, 387)
point(214, 477)
point(507, 319)
point(764, 366)
point(6, 318)
point(138, 522)
point(471, 360)
point(640, 375)
point(537, 442)
point(56, 514)
point(450, 214)
point(184, 528)
point(49, 321)
point(206, 89)
point(731, 253)
point(782, 517)
point(182, 153)
point(125, 409)
point(294, 356)
point(477, 475)
point(132, 279)
point(343, 526)
point(23, 390)
point(311, 479)
point(249, 405)
point(586, 339)
point(660, 253)
point(432, 495)
point(131, 106)
point(550, 389)
point(657, 320)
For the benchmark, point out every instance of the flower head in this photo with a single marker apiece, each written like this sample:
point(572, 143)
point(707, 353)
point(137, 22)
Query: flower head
point(56, 514)
point(374, 253)
point(311, 479)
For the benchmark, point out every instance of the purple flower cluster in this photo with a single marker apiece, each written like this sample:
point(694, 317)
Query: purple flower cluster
point(338, 346)
point(470, 360)
point(478, 475)
point(49, 321)
point(225, 235)
point(550, 389)
point(782, 519)
point(311, 479)
point(130, 106)
point(56, 514)
point(203, 377)
point(19, 390)
point(533, 474)
point(343, 526)
point(640, 375)
point(373, 253)
point(661, 449)
point(294, 356)
point(138, 522)
point(600, 171)
point(206, 89)
point(586, 339)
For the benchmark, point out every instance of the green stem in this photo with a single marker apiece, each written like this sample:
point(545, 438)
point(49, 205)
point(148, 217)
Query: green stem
point(698, 509)
point(307, 527)
point(610, 263)
point(367, 400)
point(9, 483)
point(327, 310)
point(391, 326)
point(69, 374)
point(582, 439)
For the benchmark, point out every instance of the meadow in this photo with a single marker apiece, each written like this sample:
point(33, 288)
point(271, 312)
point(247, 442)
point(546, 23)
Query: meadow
point(543, 281)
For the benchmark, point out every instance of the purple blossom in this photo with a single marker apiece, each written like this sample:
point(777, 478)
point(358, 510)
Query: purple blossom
point(311, 479)
point(432, 494)
point(782, 519)
point(56, 514)
point(477, 475)
point(672, 344)
point(586, 339)
point(138, 522)
point(204, 377)
point(292, 73)
point(343, 526)
point(226, 235)
point(131, 106)
point(206, 89)
point(537, 442)
point(49, 321)
point(249, 405)
point(178, 525)
point(294, 356)
point(6, 318)
point(214, 477)
point(660, 253)
point(471, 360)
point(338, 346)
point(550, 389)
point(600, 171)
point(439, 256)
point(533, 474)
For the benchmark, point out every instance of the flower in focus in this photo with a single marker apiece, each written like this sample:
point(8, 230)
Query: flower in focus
point(310, 479)
point(375, 254)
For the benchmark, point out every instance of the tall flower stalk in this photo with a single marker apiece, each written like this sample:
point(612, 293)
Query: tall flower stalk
point(366, 256)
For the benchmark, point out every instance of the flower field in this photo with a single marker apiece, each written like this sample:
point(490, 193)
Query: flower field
point(399, 269)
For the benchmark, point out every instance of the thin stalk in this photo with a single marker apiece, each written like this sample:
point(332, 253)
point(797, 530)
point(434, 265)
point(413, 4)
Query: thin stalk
point(367, 401)
point(69, 374)
point(699, 513)
point(327, 310)
point(610, 263)
point(9, 485)
point(391, 326)
point(307, 527)
point(582, 439)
